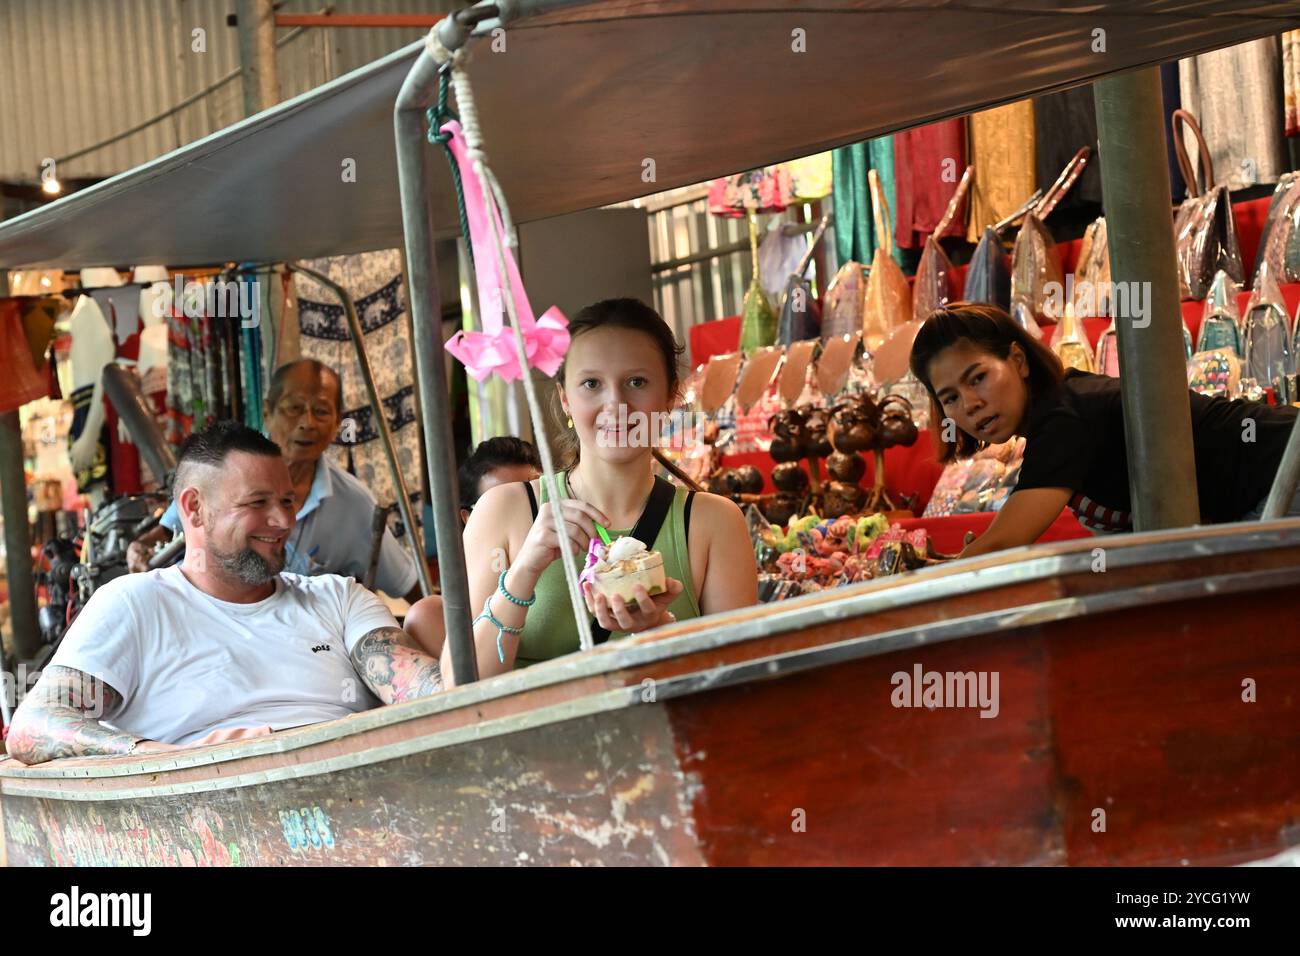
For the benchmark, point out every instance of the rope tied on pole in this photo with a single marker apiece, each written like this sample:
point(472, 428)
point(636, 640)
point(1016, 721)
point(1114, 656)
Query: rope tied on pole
point(500, 233)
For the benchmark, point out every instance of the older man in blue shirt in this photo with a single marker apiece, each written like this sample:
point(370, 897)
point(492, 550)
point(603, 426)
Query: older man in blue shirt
point(332, 532)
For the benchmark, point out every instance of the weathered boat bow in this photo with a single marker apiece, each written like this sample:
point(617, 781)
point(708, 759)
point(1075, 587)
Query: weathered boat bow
point(1123, 716)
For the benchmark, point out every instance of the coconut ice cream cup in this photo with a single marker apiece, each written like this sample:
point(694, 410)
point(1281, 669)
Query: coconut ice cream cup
point(622, 579)
point(619, 568)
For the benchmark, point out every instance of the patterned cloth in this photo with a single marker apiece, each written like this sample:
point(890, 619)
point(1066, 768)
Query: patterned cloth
point(928, 163)
point(770, 189)
point(811, 177)
point(1291, 80)
point(1096, 517)
point(1063, 122)
point(375, 281)
point(1235, 96)
point(1002, 150)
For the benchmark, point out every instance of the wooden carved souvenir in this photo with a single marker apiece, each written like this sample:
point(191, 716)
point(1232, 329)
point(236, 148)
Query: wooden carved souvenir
point(794, 372)
point(834, 361)
point(756, 377)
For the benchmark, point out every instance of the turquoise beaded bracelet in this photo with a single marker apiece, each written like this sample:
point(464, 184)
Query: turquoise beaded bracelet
point(502, 629)
point(501, 586)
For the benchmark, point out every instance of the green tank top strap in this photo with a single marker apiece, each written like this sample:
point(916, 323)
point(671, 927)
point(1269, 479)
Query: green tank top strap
point(550, 630)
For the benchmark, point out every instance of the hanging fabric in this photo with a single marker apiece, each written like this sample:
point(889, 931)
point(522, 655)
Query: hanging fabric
point(779, 254)
point(882, 157)
point(769, 189)
point(811, 178)
point(1235, 94)
point(92, 349)
point(1063, 123)
point(852, 202)
point(374, 280)
point(1291, 80)
point(1204, 231)
point(1002, 151)
point(927, 165)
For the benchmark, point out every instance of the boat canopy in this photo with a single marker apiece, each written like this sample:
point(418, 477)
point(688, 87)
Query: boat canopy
point(593, 103)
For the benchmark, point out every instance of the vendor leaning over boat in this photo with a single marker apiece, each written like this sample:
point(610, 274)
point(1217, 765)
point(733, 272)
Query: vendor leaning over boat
point(994, 380)
point(224, 645)
point(621, 355)
point(303, 407)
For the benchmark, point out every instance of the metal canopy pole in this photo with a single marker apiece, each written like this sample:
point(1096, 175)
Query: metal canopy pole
point(18, 542)
point(414, 158)
point(1286, 479)
point(381, 425)
point(1139, 228)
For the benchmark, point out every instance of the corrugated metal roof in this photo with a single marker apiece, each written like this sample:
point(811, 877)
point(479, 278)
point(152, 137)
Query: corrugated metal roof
point(573, 121)
point(74, 73)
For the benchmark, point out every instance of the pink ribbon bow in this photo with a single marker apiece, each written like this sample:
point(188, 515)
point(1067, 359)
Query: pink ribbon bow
point(493, 350)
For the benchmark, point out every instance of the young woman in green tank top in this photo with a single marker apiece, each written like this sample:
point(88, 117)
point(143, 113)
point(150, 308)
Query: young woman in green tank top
point(621, 365)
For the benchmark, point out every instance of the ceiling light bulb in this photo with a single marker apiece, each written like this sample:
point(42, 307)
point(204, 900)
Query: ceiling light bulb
point(51, 186)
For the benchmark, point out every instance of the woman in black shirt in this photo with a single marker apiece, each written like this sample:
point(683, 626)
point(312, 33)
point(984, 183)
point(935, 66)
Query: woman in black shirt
point(991, 380)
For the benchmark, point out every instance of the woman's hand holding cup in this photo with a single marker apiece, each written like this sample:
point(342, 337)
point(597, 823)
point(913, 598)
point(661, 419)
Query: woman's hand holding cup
point(615, 614)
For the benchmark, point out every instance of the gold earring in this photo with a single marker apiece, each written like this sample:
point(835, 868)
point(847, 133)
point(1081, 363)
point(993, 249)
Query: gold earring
point(569, 422)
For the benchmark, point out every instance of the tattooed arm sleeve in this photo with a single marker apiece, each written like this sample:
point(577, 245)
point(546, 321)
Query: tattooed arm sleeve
point(59, 717)
point(393, 667)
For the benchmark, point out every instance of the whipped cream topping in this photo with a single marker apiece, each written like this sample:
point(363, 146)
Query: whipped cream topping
point(622, 555)
point(624, 549)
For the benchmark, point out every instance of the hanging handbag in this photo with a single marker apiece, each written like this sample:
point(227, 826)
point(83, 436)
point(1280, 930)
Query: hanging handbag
point(934, 286)
point(888, 299)
point(1035, 264)
point(1267, 345)
point(798, 321)
point(1221, 322)
point(843, 303)
point(1107, 359)
point(1072, 350)
point(987, 277)
point(21, 380)
point(758, 318)
point(1091, 296)
point(1279, 242)
point(1204, 232)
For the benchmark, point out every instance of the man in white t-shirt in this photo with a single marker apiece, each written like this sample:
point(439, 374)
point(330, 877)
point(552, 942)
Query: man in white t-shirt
point(226, 644)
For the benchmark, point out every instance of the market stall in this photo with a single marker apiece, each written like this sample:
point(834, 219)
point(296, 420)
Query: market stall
point(780, 694)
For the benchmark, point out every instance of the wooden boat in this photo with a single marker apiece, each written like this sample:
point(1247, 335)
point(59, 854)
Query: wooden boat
point(1144, 709)
point(1145, 713)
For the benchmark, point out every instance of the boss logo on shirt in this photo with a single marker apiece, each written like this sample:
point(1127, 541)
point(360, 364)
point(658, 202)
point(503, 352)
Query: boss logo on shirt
point(320, 647)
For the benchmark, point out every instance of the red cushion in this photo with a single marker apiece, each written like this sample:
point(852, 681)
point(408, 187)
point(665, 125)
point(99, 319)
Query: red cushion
point(948, 534)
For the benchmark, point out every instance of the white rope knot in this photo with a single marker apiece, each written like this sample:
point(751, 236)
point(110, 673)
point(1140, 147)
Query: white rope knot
point(440, 54)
